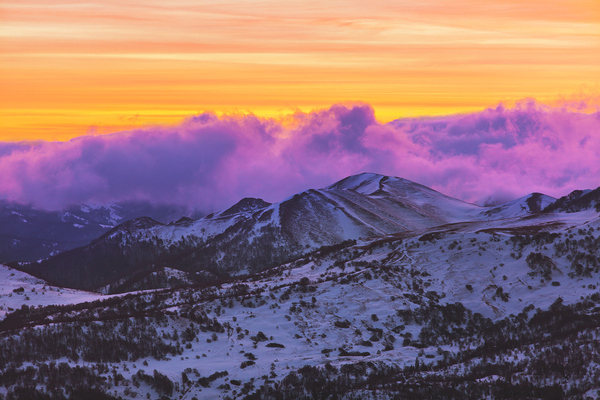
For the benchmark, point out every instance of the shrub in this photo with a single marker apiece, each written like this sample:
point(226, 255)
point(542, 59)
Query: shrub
point(342, 324)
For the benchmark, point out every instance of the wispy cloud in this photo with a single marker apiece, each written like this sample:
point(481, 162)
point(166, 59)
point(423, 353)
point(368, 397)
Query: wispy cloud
point(96, 61)
point(211, 162)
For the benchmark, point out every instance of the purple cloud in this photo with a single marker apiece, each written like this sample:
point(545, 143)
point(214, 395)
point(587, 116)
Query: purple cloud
point(210, 162)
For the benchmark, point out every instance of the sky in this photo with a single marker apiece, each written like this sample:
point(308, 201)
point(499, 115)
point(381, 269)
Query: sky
point(69, 67)
point(205, 102)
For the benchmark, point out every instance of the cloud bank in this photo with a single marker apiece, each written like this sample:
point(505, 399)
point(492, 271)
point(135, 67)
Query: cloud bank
point(210, 162)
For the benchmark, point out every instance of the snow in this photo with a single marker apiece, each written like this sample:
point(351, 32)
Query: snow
point(516, 208)
point(36, 292)
point(65, 216)
point(113, 217)
point(360, 206)
point(20, 216)
point(365, 183)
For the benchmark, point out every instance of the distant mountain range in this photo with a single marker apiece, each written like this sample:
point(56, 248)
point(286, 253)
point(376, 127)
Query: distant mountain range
point(254, 235)
point(28, 233)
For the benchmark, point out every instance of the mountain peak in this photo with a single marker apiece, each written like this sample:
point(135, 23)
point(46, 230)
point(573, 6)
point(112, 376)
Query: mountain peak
point(247, 204)
point(538, 201)
point(183, 221)
point(371, 184)
point(363, 182)
point(132, 225)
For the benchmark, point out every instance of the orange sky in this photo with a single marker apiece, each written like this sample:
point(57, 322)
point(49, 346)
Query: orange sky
point(68, 68)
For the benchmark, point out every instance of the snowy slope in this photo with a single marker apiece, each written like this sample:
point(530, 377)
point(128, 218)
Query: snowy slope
point(577, 200)
point(408, 193)
point(254, 235)
point(530, 204)
point(18, 289)
point(359, 206)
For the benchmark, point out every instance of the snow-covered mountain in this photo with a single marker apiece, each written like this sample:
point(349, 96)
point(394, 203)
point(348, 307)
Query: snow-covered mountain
point(531, 204)
point(479, 308)
point(28, 233)
point(254, 235)
point(358, 206)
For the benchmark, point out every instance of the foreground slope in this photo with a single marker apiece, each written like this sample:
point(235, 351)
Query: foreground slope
point(507, 308)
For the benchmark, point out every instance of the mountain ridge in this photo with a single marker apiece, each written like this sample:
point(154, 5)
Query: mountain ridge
point(254, 235)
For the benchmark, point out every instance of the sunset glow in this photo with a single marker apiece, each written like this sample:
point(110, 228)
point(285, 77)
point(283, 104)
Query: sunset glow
point(70, 68)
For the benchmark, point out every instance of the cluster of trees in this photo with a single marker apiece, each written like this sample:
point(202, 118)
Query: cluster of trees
point(159, 382)
point(550, 354)
point(107, 341)
point(540, 265)
point(52, 381)
point(449, 324)
point(582, 253)
point(575, 201)
point(379, 381)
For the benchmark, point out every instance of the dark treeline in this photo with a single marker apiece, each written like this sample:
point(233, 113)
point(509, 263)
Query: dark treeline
point(108, 341)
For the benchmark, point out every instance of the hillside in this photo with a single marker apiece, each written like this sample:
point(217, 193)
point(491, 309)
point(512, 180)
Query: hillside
point(576, 201)
point(530, 204)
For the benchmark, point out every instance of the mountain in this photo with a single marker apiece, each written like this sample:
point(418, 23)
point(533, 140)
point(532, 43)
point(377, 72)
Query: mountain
point(505, 308)
point(254, 235)
point(531, 204)
point(28, 233)
point(577, 200)
point(246, 205)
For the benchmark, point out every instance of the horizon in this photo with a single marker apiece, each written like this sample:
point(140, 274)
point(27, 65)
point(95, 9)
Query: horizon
point(488, 157)
point(490, 202)
point(108, 204)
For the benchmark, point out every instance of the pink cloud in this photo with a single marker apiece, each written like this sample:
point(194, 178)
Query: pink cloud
point(211, 162)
